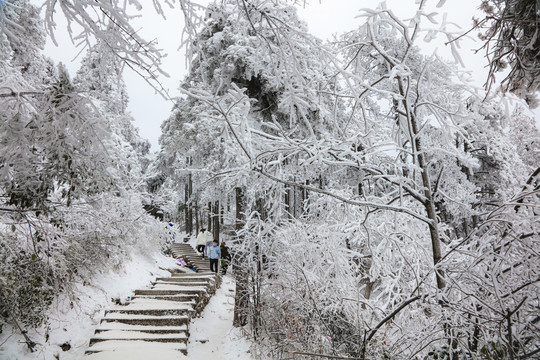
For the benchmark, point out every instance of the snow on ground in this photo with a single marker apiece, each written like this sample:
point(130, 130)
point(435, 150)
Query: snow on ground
point(138, 350)
point(72, 322)
point(212, 336)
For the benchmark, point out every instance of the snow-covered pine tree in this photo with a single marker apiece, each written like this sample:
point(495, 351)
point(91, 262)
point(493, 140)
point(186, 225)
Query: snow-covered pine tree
point(100, 77)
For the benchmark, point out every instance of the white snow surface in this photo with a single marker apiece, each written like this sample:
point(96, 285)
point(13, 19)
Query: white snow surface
point(74, 322)
point(212, 335)
point(137, 350)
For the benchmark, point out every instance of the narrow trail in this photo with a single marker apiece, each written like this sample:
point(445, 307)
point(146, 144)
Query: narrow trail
point(212, 335)
point(188, 315)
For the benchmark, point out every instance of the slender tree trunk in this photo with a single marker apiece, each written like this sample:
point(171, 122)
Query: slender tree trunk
point(287, 201)
point(242, 296)
point(430, 210)
point(215, 218)
point(221, 214)
point(197, 225)
point(305, 199)
point(186, 209)
point(429, 203)
point(189, 205)
point(209, 216)
point(240, 209)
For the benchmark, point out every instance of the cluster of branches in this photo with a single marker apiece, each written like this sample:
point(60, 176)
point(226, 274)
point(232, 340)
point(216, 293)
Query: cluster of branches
point(512, 43)
point(71, 182)
point(364, 170)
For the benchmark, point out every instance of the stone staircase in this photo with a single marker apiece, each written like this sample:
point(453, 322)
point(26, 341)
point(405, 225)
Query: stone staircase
point(191, 257)
point(157, 319)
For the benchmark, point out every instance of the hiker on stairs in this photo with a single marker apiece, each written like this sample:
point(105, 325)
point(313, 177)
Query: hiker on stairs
point(213, 253)
point(203, 237)
point(225, 257)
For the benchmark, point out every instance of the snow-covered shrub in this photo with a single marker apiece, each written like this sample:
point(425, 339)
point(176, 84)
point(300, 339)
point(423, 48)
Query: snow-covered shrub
point(26, 286)
point(43, 255)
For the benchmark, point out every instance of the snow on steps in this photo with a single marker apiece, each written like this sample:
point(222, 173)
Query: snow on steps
point(190, 257)
point(156, 321)
point(135, 349)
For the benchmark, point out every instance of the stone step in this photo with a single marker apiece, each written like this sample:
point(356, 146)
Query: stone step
point(181, 246)
point(192, 256)
point(124, 348)
point(153, 307)
point(173, 285)
point(200, 265)
point(195, 274)
point(168, 292)
point(134, 319)
point(207, 277)
point(149, 303)
point(198, 261)
point(152, 312)
point(188, 256)
point(184, 250)
point(188, 298)
point(189, 282)
point(108, 326)
point(111, 335)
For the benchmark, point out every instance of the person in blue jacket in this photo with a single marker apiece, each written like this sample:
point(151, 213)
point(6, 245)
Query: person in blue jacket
point(213, 252)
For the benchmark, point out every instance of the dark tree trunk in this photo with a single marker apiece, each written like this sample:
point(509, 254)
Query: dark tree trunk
point(209, 216)
point(242, 295)
point(240, 209)
point(215, 218)
point(287, 201)
point(197, 225)
point(189, 206)
point(221, 214)
point(305, 199)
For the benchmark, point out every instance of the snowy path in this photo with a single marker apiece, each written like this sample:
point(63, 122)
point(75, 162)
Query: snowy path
point(212, 334)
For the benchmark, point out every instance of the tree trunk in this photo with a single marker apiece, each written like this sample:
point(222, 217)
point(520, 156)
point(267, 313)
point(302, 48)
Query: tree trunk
point(209, 216)
point(240, 209)
point(429, 203)
point(305, 199)
point(221, 214)
point(242, 296)
point(196, 210)
point(215, 218)
point(287, 201)
point(189, 205)
point(186, 209)
point(430, 210)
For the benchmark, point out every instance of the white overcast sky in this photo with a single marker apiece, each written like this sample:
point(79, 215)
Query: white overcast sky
point(324, 17)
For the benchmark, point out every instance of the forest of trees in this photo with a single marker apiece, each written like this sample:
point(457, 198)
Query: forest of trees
point(381, 207)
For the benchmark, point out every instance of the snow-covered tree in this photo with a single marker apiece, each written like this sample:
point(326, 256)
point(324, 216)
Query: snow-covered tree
point(100, 77)
point(511, 42)
point(380, 137)
point(70, 200)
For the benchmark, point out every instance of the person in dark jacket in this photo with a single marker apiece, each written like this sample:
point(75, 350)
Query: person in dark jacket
point(225, 257)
